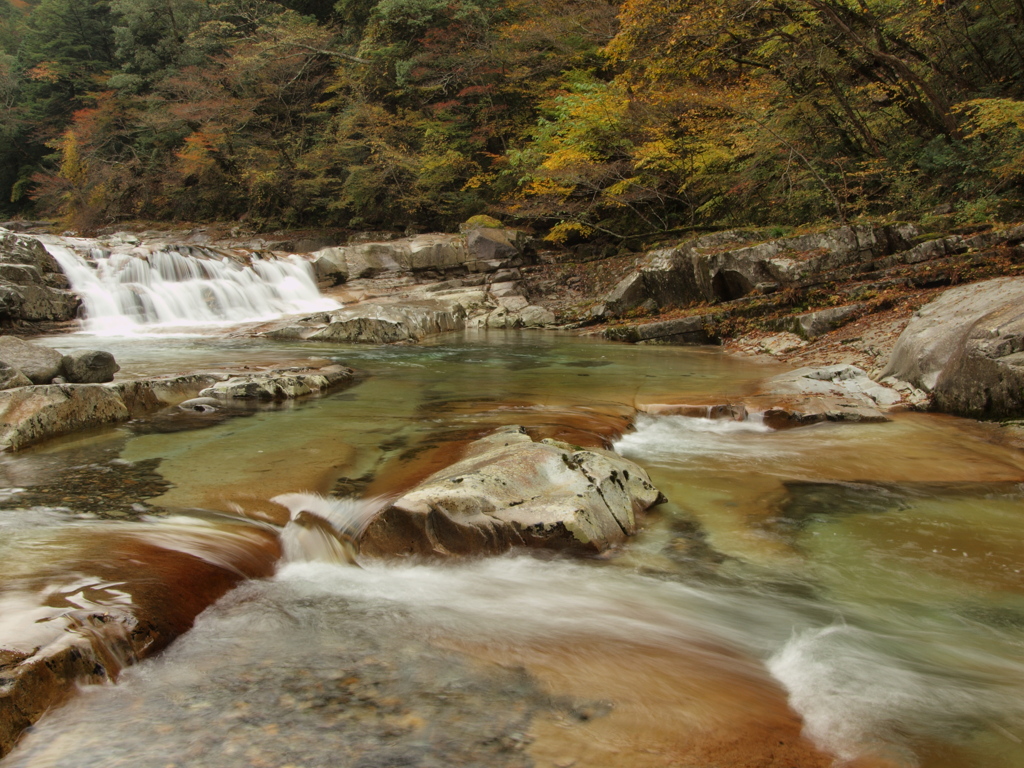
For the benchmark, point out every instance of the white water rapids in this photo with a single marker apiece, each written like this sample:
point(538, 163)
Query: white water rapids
point(127, 292)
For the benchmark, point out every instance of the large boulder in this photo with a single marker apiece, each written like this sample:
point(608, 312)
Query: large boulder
point(32, 414)
point(511, 491)
point(967, 349)
point(41, 364)
point(89, 366)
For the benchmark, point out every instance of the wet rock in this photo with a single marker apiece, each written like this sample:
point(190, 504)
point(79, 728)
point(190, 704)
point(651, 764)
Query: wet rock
point(145, 396)
point(967, 349)
point(724, 411)
point(38, 362)
point(11, 377)
point(832, 393)
point(511, 491)
point(89, 366)
point(32, 414)
point(280, 385)
point(167, 588)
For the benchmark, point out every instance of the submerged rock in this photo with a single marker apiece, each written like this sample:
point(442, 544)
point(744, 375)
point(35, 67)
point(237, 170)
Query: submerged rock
point(511, 491)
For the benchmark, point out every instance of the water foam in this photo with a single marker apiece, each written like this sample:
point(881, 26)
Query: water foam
point(863, 693)
point(667, 439)
point(151, 288)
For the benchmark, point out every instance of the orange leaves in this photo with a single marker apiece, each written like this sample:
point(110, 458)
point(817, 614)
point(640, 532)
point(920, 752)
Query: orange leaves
point(45, 71)
point(198, 155)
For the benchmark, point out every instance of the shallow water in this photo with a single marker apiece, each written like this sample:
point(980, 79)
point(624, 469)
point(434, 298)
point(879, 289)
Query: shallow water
point(857, 583)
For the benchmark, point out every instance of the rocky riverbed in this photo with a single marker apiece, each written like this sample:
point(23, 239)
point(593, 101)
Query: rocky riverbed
point(865, 321)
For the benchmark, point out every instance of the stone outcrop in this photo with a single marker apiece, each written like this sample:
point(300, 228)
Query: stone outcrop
point(967, 349)
point(484, 249)
point(511, 491)
point(810, 325)
point(145, 396)
point(32, 286)
point(11, 377)
point(729, 265)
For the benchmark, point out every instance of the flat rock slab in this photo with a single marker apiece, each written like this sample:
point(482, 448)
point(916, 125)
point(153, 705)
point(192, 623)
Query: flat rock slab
point(280, 385)
point(511, 491)
point(371, 323)
point(32, 414)
point(832, 393)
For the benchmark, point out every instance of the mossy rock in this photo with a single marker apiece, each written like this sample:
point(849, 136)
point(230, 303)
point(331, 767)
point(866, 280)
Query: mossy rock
point(481, 222)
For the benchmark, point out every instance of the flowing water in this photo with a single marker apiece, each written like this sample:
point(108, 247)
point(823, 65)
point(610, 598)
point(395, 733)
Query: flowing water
point(836, 594)
point(142, 288)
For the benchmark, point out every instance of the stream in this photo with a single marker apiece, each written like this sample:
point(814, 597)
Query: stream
point(839, 594)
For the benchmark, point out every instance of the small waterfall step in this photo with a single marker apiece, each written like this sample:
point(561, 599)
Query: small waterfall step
point(146, 287)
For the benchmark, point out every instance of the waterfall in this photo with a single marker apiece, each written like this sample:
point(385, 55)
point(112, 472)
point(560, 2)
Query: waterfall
point(173, 286)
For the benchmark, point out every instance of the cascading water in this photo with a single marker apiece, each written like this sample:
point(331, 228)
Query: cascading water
point(172, 286)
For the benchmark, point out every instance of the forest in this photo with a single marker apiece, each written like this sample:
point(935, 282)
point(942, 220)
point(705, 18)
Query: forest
point(579, 119)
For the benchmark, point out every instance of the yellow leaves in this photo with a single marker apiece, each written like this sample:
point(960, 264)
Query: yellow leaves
point(1000, 123)
point(659, 155)
point(547, 186)
point(73, 167)
point(562, 231)
point(566, 157)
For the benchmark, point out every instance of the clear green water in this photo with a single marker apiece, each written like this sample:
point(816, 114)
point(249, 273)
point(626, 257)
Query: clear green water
point(867, 576)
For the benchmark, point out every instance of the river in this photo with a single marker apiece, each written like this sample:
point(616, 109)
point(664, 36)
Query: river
point(837, 594)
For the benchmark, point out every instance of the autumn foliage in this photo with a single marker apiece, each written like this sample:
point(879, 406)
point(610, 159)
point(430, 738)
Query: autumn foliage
point(580, 118)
